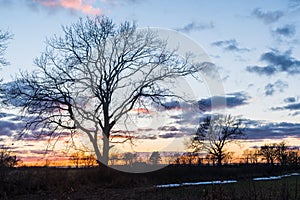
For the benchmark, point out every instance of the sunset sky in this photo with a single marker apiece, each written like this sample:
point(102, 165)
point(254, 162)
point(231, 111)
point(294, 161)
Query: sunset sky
point(254, 44)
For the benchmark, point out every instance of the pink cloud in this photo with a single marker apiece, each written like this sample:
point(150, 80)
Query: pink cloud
point(85, 6)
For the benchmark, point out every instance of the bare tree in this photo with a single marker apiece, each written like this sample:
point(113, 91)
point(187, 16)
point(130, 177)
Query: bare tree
point(282, 153)
point(75, 159)
point(214, 133)
point(269, 153)
point(4, 37)
point(293, 156)
point(279, 153)
point(155, 158)
point(129, 158)
point(90, 79)
point(7, 159)
point(251, 156)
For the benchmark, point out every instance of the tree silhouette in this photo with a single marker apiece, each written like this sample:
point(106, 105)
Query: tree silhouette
point(4, 37)
point(129, 158)
point(6, 157)
point(90, 79)
point(81, 158)
point(155, 158)
point(214, 133)
point(269, 153)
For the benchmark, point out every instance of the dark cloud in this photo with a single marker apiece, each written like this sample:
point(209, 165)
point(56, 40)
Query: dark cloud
point(273, 130)
point(290, 100)
point(171, 105)
point(267, 70)
point(294, 113)
point(167, 128)
point(194, 26)
point(273, 87)
point(145, 129)
point(277, 62)
point(269, 16)
point(255, 130)
point(39, 152)
point(3, 114)
point(230, 45)
point(292, 106)
point(8, 128)
point(146, 137)
point(287, 31)
point(230, 100)
point(170, 135)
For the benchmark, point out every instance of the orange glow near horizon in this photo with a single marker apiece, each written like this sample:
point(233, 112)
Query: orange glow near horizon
point(62, 159)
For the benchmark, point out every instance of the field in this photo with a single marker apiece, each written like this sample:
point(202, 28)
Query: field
point(103, 183)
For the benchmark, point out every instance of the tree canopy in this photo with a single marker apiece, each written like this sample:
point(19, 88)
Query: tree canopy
point(214, 133)
point(89, 79)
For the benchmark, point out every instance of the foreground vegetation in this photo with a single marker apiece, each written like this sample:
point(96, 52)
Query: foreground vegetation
point(100, 183)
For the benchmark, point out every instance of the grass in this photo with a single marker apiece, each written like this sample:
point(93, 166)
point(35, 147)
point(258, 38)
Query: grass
point(287, 188)
point(97, 183)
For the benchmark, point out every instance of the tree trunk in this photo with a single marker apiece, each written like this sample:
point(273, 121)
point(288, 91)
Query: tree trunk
point(97, 151)
point(105, 154)
point(219, 160)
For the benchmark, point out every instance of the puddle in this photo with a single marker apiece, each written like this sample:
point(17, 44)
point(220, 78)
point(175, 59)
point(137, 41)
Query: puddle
point(223, 182)
point(274, 177)
point(195, 183)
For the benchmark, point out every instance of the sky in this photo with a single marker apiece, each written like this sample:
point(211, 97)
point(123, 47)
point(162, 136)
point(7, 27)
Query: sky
point(254, 45)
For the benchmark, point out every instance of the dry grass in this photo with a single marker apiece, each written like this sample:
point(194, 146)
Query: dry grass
point(95, 183)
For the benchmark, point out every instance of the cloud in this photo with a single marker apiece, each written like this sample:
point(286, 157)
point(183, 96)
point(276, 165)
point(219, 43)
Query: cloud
point(8, 127)
point(294, 5)
point(84, 6)
point(287, 31)
point(171, 135)
point(292, 106)
point(230, 45)
point(230, 100)
point(267, 70)
point(171, 105)
point(10, 124)
point(294, 113)
point(290, 100)
point(255, 130)
point(39, 152)
point(267, 17)
point(167, 128)
point(277, 86)
point(194, 26)
point(272, 130)
point(276, 62)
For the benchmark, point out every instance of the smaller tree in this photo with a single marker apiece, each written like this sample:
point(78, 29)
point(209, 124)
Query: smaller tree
point(293, 157)
point(129, 158)
point(75, 159)
point(6, 157)
point(282, 153)
point(155, 158)
point(84, 159)
point(251, 156)
point(269, 153)
point(214, 133)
